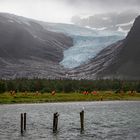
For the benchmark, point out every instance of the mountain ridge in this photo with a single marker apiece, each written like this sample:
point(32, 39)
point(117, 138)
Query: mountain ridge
point(29, 50)
point(34, 49)
point(118, 61)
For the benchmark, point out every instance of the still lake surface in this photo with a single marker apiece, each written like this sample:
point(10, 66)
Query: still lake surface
point(108, 120)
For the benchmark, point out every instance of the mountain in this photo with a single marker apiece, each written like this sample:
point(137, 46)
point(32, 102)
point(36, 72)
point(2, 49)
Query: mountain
point(36, 49)
point(127, 65)
point(29, 50)
point(87, 43)
point(108, 21)
point(119, 60)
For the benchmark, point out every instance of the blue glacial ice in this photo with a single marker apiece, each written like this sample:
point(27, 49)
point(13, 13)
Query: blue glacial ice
point(87, 43)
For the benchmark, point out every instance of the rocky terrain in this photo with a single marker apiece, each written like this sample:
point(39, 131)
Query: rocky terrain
point(120, 60)
point(35, 49)
point(29, 50)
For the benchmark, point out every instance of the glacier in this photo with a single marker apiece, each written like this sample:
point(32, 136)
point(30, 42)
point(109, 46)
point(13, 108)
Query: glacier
point(87, 43)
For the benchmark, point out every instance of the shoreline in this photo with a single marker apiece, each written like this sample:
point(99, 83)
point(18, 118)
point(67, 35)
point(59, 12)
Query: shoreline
point(40, 103)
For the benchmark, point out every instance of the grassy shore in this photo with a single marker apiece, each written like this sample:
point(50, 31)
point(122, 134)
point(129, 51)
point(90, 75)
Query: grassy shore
point(7, 98)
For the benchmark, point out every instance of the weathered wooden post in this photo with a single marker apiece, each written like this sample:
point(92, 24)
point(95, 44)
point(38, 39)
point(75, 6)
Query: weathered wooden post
point(24, 121)
point(82, 120)
point(21, 124)
point(55, 122)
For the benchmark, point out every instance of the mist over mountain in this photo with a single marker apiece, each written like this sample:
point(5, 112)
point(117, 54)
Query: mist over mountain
point(61, 11)
point(115, 21)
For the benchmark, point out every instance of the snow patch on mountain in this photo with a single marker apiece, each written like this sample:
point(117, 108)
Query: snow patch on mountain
point(125, 24)
point(123, 31)
point(98, 29)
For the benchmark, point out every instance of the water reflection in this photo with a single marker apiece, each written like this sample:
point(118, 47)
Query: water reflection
point(103, 121)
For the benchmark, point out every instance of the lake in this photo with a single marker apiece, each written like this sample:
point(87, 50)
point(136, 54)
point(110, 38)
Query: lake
point(107, 120)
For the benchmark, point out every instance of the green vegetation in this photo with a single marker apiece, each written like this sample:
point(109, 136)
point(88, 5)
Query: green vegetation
point(41, 90)
point(67, 86)
point(8, 98)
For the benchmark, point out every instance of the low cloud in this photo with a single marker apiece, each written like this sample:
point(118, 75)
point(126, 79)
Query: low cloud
point(63, 10)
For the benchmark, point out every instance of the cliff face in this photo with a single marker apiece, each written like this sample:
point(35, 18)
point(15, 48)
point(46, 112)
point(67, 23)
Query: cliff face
point(120, 60)
point(29, 50)
point(127, 64)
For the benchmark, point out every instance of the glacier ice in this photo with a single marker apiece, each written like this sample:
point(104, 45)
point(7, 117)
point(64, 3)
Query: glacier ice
point(87, 43)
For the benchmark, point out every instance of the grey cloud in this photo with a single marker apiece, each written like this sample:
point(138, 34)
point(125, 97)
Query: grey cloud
point(65, 8)
point(102, 6)
point(105, 3)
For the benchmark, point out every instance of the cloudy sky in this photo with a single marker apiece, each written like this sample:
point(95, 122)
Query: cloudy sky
point(63, 10)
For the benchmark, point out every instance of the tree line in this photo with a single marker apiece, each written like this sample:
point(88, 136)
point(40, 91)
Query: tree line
point(67, 86)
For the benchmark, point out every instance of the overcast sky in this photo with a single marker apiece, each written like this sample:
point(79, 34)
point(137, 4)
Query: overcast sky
point(63, 10)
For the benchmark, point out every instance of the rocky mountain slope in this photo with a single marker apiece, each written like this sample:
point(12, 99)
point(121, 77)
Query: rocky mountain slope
point(87, 43)
point(29, 50)
point(127, 64)
point(120, 60)
point(35, 49)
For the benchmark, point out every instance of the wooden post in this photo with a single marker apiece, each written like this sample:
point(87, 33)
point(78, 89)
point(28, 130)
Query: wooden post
point(82, 120)
point(25, 121)
point(21, 123)
point(56, 125)
point(55, 122)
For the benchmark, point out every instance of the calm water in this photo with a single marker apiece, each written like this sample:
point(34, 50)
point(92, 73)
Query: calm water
point(103, 121)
